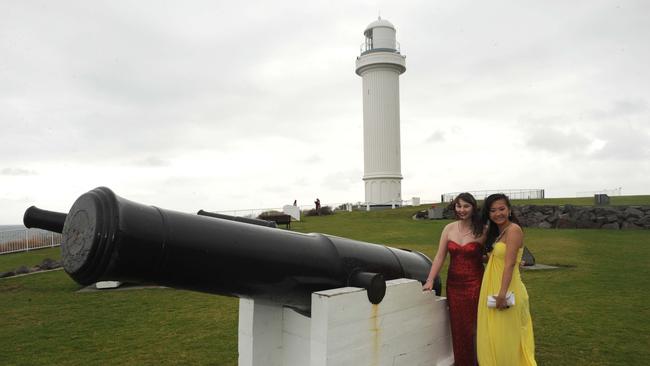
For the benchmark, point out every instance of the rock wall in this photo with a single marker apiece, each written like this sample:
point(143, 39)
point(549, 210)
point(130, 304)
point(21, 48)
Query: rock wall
point(580, 217)
point(584, 217)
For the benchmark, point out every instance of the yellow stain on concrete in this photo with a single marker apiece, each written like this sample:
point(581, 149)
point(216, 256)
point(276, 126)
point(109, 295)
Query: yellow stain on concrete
point(376, 334)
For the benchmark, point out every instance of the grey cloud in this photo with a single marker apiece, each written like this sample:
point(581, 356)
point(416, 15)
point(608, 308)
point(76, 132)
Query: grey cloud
point(437, 136)
point(625, 143)
point(17, 172)
point(312, 159)
point(342, 180)
point(620, 109)
point(554, 140)
point(152, 161)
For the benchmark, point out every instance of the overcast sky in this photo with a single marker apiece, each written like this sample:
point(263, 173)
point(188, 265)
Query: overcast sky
point(222, 105)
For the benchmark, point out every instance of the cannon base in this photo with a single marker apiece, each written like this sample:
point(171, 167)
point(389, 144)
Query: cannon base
point(409, 327)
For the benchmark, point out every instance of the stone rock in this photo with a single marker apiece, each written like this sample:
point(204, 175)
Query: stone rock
point(587, 224)
point(588, 217)
point(571, 210)
point(539, 216)
point(601, 220)
point(21, 270)
point(629, 225)
point(611, 225)
point(527, 257)
point(7, 274)
point(582, 215)
point(565, 223)
point(605, 211)
point(48, 264)
point(644, 221)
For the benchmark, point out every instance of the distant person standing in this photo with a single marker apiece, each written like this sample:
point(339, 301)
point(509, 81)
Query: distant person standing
point(317, 203)
point(295, 203)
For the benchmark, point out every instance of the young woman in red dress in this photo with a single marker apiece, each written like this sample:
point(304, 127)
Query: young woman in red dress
point(463, 239)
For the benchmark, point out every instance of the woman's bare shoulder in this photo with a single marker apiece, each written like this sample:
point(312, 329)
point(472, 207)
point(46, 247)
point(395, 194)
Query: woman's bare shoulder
point(515, 228)
point(450, 226)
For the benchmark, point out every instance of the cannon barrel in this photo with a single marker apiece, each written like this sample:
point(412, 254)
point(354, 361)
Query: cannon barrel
point(35, 217)
point(48, 220)
point(107, 237)
point(247, 220)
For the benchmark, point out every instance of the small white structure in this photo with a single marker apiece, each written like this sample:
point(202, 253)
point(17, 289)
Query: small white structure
point(409, 327)
point(293, 211)
point(380, 65)
point(102, 285)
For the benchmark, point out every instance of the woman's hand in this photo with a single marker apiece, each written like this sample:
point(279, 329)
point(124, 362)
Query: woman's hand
point(428, 286)
point(501, 302)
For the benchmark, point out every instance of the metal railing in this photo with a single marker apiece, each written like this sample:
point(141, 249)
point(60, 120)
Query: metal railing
point(255, 212)
point(367, 47)
point(24, 240)
point(515, 194)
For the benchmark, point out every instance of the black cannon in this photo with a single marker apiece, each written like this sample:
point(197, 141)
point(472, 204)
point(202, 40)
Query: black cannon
point(246, 220)
point(107, 237)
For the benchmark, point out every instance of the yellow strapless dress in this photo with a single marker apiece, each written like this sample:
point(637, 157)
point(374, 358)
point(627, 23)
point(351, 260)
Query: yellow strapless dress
point(504, 337)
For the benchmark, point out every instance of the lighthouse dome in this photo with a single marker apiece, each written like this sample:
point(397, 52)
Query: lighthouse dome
point(380, 36)
point(383, 23)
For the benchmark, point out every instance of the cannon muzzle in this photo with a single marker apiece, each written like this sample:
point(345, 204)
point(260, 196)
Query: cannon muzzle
point(107, 237)
point(48, 220)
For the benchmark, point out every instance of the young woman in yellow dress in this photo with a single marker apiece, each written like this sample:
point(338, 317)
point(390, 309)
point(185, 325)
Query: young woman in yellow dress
point(504, 332)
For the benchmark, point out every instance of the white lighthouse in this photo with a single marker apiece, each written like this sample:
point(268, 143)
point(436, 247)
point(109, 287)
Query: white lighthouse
point(380, 64)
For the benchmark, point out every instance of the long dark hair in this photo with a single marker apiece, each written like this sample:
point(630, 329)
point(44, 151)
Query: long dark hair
point(476, 223)
point(493, 229)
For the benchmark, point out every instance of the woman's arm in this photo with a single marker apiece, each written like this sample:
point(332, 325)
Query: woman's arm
point(438, 260)
point(482, 240)
point(513, 243)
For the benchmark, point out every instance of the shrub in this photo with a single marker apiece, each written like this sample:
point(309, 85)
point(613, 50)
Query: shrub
point(324, 211)
point(264, 215)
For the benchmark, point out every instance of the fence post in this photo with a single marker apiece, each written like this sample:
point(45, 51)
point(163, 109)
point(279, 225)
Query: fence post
point(52, 240)
point(27, 239)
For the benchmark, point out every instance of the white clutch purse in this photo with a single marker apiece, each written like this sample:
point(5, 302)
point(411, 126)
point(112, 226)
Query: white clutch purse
point(510, 300)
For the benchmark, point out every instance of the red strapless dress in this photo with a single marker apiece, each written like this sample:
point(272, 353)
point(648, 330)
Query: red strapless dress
point(463, 290)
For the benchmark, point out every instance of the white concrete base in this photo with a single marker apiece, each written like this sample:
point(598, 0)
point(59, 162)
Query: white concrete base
point(383, 191)
point(101, 285)
point(409, 327)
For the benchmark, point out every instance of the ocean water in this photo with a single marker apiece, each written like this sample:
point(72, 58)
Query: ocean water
point(12, 227)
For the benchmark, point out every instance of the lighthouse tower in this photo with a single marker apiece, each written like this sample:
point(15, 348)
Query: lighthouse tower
point(380, 64)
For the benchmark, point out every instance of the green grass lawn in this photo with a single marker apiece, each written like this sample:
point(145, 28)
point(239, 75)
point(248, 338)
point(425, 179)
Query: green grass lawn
point(591, 311)
point(10, 262)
